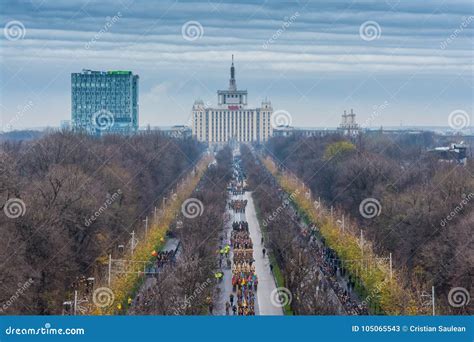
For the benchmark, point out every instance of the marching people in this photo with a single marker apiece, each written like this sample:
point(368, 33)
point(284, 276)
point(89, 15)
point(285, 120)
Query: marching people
point(227, 308)
point(244, 279)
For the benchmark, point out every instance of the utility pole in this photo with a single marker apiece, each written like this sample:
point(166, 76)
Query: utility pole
point(110, 269)
point(155, 214)
point(132, 242)
point(391, 270)
point(429, 299)
point(146, 227)
point(75, 302)
point(362, 242)
point(343, 224)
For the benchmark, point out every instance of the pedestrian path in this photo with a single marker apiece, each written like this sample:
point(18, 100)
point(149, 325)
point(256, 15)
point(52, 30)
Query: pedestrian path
point(266, 284)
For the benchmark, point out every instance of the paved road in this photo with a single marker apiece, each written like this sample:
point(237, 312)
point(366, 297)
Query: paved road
point(266, 282)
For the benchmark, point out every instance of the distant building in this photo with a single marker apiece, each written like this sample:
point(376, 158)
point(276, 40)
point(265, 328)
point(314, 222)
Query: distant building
point(231, 120)
point(286, 131)
point(348, 124)
point(177, 131)
point(348, 127)
point(65, 125)
point(454, 153)
point(104, 102)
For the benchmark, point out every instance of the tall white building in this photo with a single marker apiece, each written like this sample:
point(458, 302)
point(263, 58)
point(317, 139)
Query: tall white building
point(231, 120)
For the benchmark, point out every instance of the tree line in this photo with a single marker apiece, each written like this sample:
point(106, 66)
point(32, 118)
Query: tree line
point(68, 199)
point(425, 217)
point(189, 286)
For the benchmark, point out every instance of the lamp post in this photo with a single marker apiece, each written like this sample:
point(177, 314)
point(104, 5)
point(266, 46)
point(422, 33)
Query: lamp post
point(146, 227)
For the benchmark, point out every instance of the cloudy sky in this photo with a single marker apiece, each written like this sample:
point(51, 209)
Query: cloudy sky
point(395, 62)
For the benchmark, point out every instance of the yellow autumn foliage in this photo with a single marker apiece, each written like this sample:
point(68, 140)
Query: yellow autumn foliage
point(378, 287)
point(338, 148)
point(125, 286)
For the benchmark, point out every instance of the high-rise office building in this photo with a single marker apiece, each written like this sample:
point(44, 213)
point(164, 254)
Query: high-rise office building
point(104, 102)
point(231, 119)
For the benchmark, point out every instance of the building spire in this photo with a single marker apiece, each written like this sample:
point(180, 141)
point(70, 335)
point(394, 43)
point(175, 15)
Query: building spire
point(232, 84)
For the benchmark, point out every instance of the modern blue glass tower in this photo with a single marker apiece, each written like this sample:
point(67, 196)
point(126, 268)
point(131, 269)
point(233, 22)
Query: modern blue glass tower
point(104, 102)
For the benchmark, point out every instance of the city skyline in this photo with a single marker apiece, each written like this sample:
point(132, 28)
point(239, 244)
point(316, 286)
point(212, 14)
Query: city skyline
point(394, 63)
point(227, 159)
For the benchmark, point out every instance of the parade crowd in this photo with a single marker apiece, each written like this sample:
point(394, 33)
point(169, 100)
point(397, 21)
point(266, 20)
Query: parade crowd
point(244, 279)
point(330, 267)
point(164, 257)
point(237, 188)
point(238, 205)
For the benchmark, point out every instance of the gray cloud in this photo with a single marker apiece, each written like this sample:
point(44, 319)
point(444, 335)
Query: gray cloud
point(323, 40)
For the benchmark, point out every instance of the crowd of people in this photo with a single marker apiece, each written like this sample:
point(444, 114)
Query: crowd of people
point(237, 187)
point(164, 257)
point(241, 241)
point(330, 268)
point(238, 205)
point(224, 259)
point(244, 279)
point(240, 226)
point(160, 260)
